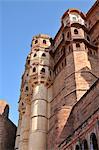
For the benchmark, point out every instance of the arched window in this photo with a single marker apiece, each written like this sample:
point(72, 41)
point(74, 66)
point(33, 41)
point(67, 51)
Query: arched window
point(93, 142)
point(85, 145)
point(22, 103)
point(43, 55)
point(28, 62)
point(34, 69)
point(43, 70)
point(26, 88)
point(77, 147)
point(35, 55)
point(94, 52)
point(77, 45)
point(44, 41)
point(75, 31)
point(36, 41)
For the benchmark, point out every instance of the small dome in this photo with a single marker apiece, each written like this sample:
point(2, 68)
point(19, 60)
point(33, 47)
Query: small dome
point(74, 10)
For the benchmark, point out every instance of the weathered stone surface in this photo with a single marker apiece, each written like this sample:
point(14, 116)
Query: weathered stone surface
point(7, 128)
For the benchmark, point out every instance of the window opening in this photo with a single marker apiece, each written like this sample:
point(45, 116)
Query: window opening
point(43, 70)
point(44, 41)
point(77, 45)
point(75, 31)
point(94, 143)
point(43, 55)
point(35, 55)
point(36, 41)
point(34, 69)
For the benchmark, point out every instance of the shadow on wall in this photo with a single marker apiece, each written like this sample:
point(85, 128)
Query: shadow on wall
point(88, 75)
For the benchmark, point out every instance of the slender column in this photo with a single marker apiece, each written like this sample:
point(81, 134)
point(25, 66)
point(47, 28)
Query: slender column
point(38, 127)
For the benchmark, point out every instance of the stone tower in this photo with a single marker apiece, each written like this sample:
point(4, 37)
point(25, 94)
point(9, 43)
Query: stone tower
point(58, 72)
point(33, 104)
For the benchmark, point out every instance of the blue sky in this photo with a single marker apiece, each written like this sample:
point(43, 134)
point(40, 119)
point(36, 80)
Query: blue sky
point(19, 21)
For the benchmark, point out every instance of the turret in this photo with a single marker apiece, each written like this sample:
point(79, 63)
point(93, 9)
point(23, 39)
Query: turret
point(79, 45)
point(39, 81)
point(33, 103)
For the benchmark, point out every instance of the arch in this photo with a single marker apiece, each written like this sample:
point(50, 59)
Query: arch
point(75, 31)
point(94, 52)
point(34, 69)
point(43, 55)
point(93, 142)
point(74, 10)
point(85, 144)
point(44, 41)
point(77, 147)
point(43, 70)
point(22, 104)
point(26, 88)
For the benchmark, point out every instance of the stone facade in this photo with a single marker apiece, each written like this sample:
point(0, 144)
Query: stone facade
point(83, 122)
point(60, 76)
point(7, 128)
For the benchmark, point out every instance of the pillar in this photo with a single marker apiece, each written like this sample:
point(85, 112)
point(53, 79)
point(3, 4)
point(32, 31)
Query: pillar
point(38, 126)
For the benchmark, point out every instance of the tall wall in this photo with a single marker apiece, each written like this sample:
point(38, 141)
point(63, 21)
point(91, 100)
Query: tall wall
point(83, 121)
point(75, 70)
point(93, 20)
